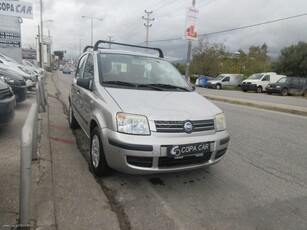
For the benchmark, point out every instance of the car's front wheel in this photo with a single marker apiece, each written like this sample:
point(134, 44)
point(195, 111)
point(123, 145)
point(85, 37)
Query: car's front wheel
point(98, 161)
point(305, 93)
point(218, 86)
point(259, 89)
point(284, 92)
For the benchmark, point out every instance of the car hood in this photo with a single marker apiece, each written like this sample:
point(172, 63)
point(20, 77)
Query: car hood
point(161, 105)
point(251, 80)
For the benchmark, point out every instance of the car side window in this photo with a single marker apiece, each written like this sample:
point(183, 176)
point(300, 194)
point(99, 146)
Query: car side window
point(226, 79)
point(295, 81)
point(79, 71)
point(89, 67)
point(266, 78)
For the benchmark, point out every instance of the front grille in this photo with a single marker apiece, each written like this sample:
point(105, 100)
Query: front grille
point(177, 126)
point(188, 160)
point(5, 93)
point(140, 161)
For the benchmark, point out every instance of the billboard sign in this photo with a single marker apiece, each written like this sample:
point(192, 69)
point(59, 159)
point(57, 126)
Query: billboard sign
point(16, 9)
point(190, 23)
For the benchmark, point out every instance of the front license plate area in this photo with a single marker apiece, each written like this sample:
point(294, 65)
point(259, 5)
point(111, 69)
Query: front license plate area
point(188, 149)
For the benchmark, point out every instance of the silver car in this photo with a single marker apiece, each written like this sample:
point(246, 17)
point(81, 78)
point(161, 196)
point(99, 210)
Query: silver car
point(141, 115)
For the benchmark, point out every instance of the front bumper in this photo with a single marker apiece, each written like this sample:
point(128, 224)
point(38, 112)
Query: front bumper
point(273, 90)
point(148, 154)
point(20, 92)
point(246, 87)
point(7, 110)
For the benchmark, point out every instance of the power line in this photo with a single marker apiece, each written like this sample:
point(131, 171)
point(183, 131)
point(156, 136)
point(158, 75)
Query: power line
point(237, 28)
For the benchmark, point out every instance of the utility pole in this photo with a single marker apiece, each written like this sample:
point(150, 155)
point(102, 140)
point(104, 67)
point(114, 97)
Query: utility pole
point(187, 67)
point(110, 40)
point(42, 36)
point(147, 25)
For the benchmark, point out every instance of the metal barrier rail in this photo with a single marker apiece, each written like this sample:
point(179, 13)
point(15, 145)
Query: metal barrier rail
point(28, 152)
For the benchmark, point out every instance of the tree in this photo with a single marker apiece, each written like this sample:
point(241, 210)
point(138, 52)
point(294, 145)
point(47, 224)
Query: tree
point(180, 67)
point(206, 58)
point(292, 60)
point(60, 54)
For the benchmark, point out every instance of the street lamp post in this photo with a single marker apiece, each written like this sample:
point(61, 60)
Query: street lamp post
point(92, 22)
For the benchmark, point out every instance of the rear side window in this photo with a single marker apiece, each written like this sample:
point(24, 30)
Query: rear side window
point(89, 67)
point(80, 68)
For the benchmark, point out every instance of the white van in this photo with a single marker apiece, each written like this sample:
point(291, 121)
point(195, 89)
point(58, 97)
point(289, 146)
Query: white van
point(259, 81)
point(225, 80)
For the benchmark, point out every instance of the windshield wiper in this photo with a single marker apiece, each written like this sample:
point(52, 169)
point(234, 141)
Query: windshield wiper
point(165, 86)
point(122, 83)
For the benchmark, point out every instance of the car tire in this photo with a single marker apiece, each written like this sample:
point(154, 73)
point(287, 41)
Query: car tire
point(218, 86)
point(284, 92)
point(259, 89)
point(305, 93)
point(98, 162)
point(73, 123)
point(244, 90)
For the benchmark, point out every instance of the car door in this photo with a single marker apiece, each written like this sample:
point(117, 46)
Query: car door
point(226, 81)
point(76, 96)
point(87, 95)
point(294, 87)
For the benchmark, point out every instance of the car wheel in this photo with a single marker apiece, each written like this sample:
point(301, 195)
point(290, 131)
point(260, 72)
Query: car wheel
point(259, 89)
point(218, 86)
point(244, 90)
point(284, 92)
point(98, 161)
point(305, 93)
point(73, 123)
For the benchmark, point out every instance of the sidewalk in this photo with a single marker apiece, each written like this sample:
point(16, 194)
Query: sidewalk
point(67, 196)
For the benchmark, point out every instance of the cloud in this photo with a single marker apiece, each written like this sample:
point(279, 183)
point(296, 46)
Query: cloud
point(123, 21)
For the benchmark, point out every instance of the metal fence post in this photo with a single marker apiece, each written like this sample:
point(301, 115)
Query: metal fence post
point(28, 135)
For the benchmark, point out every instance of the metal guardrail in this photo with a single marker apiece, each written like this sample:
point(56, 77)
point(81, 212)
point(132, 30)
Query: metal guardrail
point(29, 152)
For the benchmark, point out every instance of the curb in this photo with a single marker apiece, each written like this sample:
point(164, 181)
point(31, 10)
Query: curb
point(261, 105)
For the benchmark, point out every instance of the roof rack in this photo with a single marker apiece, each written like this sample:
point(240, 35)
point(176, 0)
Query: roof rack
point(87, 47)
point(96, 46)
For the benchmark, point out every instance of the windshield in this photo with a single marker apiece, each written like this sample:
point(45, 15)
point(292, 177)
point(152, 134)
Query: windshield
point(255, 76)
point(220, 77)
point(282, 80)
point(130, 71)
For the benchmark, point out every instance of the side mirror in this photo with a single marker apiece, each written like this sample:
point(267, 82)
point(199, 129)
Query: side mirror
point(86, 83)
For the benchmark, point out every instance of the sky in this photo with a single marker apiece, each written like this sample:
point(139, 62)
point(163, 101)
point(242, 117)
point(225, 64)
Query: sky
point(122, 22)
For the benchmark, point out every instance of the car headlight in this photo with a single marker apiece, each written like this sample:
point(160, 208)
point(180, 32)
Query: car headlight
point(220, 122)
point(132, 124)
point(8, 80)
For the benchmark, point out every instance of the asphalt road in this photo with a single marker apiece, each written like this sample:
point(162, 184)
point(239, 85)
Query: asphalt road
point(260, 184)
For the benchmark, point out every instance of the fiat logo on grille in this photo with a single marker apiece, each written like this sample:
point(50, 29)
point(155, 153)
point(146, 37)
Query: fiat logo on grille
point(188, 127)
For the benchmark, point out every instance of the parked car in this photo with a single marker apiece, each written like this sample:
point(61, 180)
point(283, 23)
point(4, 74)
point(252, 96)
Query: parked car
point(7, 104)
point(17, 83)
point(225, 80)
point(66, 70)
point(39, 71)
point(289, 85)
point(27, 74)
point(141, 115)
point(259, 81)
